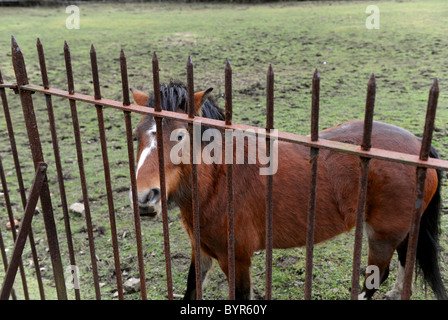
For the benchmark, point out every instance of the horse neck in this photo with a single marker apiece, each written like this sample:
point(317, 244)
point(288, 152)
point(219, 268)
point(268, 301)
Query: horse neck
point(209, 177)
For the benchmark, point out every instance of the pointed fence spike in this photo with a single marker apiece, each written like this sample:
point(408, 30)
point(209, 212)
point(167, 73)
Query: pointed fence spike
point(228, 93)
point(429, 120)
point(228, 65)
point(95, 75)
point(190, 87)
point(14, 44)
point(270, 98)
point(156, 83)
point(435, 85)
point(68, 69)
point(315, 95)
point(124, 79)
point(18, 63)
point(43, 66)
point(368, 117)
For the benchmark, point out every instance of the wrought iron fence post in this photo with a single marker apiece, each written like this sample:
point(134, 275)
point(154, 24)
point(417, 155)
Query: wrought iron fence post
point(25, 227)
point(230, 190)
point(36, 150)
point(194, 182)
point(269, 183)
point(314, 156)
point(57, 158)
point(362, 189)
point(419, 190)
point(160, 153)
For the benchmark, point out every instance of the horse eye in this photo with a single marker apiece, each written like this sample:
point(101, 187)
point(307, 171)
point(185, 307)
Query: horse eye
point(180, 137)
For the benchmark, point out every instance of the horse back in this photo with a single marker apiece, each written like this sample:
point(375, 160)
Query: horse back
point(391, 185)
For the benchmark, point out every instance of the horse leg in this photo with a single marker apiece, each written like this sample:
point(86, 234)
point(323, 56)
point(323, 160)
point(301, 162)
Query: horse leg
point(380, 253)
point(243, 287)
point(206, 265)
point(395, 293)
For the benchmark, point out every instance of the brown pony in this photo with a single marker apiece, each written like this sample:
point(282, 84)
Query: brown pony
point(389, 205)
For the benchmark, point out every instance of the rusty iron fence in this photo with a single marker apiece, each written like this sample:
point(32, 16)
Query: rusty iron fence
point(40, 187)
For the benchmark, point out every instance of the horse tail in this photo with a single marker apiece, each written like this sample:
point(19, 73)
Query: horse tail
point(427, 254)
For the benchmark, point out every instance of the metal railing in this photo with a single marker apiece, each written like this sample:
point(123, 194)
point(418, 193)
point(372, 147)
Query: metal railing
point(40, 186)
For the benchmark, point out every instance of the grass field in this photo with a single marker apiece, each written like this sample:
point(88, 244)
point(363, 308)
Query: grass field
point(406, 54)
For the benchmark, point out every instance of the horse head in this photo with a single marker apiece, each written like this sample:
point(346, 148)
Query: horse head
point(175, 134)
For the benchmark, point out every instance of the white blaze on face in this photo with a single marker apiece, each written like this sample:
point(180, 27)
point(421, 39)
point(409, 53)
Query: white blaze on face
point(145, 153)
point(151, 146)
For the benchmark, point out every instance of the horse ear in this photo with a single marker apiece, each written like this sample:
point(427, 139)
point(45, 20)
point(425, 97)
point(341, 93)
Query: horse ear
point(199, 100)
point(140, 98)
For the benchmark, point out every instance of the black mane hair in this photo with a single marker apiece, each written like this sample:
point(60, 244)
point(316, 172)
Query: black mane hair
point(174, 95)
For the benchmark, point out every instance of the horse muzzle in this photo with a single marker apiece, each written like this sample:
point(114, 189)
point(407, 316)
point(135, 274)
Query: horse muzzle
point(148, 211)
point(149, 203)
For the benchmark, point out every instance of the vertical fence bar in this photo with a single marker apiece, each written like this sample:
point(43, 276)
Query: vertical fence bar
point(368, 118)
point(156, 83)
point(5, 260)
point(230, 190)
point(159, 130)
point(23, 197)
point(19, 178)
point(420, 190)
point(107, 179)
point(12, 143)
point(36, 150)
point(82, 175)
point(362, 190)
point(124, 78)
point(13, 229)
point(24, 230)
point(269, 182)
point(314, 155)
point(57, 158)
point(194, 182)
point(429, 121)
point(130, 144)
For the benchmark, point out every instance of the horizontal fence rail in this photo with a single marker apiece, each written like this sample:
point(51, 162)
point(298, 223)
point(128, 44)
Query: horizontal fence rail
point(373, 153)
point(365, 152)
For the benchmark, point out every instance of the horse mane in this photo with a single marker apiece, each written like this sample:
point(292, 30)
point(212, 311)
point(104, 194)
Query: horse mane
point(174, 97)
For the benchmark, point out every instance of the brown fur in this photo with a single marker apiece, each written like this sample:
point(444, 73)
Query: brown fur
point(389, 205)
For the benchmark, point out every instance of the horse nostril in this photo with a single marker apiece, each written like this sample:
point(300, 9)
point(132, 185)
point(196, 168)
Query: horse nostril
point(154, 195)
